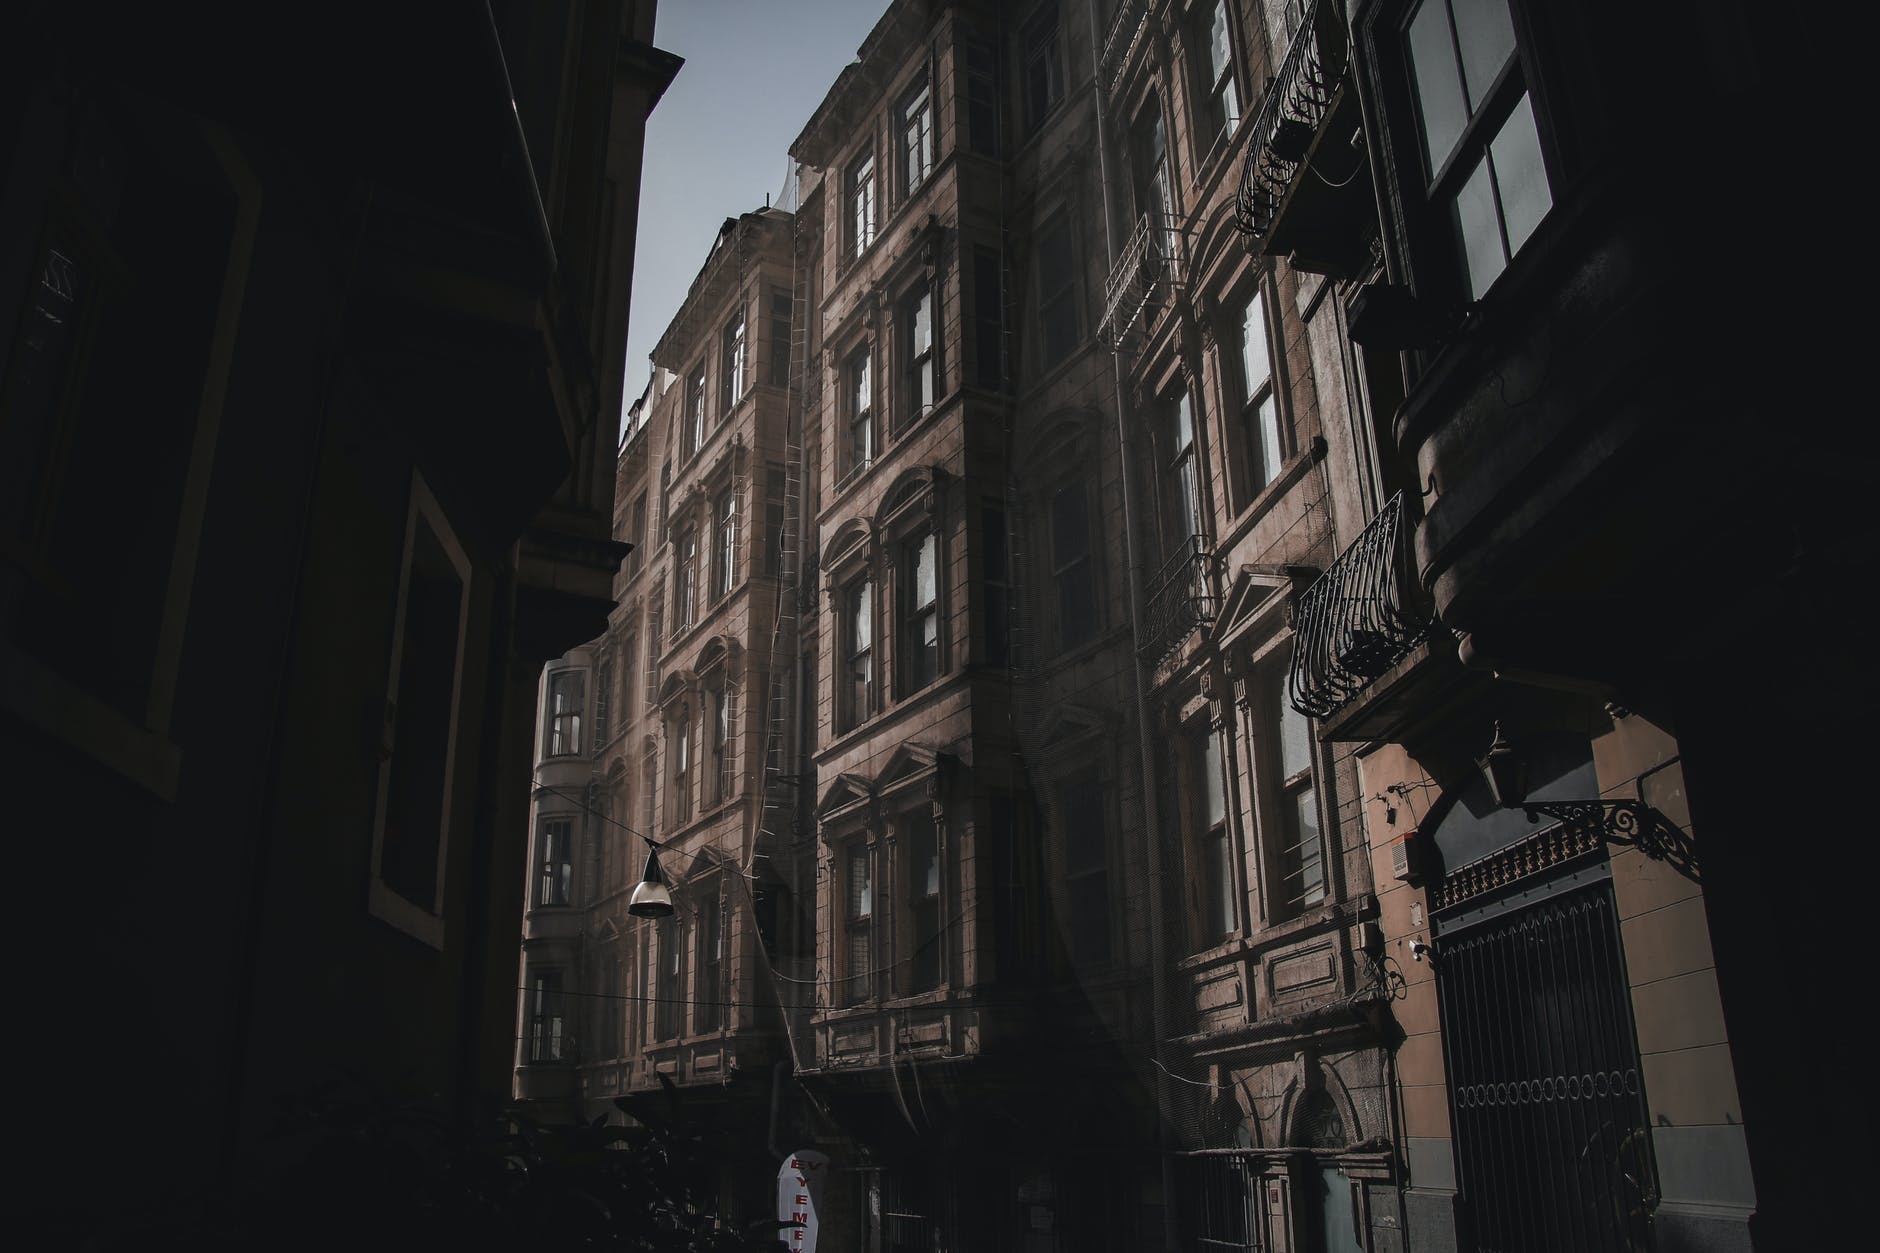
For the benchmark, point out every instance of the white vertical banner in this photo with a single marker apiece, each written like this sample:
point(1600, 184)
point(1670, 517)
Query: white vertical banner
point(799, 1197)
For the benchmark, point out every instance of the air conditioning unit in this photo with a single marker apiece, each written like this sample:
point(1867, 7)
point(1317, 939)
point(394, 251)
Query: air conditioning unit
point(1404, 856)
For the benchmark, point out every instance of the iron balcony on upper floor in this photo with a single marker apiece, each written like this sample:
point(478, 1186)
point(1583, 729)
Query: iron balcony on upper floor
point(1181, 599)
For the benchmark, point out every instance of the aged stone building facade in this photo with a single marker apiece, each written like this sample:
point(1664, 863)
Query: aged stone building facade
point(1239, 638)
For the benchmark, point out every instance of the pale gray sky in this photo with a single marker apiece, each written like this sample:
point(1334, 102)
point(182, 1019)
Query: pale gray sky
point(719, 141)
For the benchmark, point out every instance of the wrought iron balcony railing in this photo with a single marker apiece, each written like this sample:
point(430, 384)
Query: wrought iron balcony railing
point(1181, 598)
point(1132, 22)
point(1289, 117)
point(1356, 621)
point(1148, 267)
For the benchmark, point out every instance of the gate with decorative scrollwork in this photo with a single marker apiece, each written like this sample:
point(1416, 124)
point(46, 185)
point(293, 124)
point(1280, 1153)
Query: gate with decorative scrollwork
point(1551, 1133)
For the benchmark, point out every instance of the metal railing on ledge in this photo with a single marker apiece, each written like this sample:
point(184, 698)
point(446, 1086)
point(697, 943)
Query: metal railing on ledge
point(1290, 114)
point(1132, 20)
point(1357, 620)
point(1180, 599)
point(1151, 260)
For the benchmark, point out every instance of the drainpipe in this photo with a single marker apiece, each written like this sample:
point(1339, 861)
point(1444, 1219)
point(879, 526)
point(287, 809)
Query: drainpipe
point(1151, 803)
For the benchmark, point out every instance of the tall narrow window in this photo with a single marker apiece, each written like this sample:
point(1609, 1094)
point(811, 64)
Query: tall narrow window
point(636, 536)
point(780, 319)
point(918, 354)
point(694, 427)
point(681, 755)
point(629, 654)
point(775, 484)
point(727, 556)
point(925, 946)
point(566, 690)
point(988, 318)
point(1086, 867)
point(916, 126)
point(1181, 502)
point(1043, 80)
point(554, 854)
point(1057, 293)
point(685, 589)
point(1071, 570)
point(1217, 68)
point(603, 700)
point(996, 584)
point(708, 1001)
point(1300, 854)
point(920, 612)
point(1211, 881)
point(861, 190)
point(545, 1017)
point(859, 663)
point(1259, 410)
point(669, 1012)
point(722, 755)
point(665, 501)
point(731, 387)
point(1149, 165)
point(982, 96)
point(649, 791)
point(859, 388)
point(858, 922)
point(1481, 146)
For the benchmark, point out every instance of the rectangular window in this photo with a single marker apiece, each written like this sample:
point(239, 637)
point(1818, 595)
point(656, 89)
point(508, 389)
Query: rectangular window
point(603, 700)
point(1057, 294)
point(1481, 145)
point(988, 318)
point(681, 755)
point(1071, 570)
point(1181, 501)
point(1149, 166)
point(775, 484)
point(546, 1040)
point(1299, 853)
point(1042, 76)
point(636, 536)
point(1086, 867)
point(982, 96)
point(920, 612)
point(694, 426)
point(655, 641)
point(916, 127)
point(858, 923)
point(780, 319)
point(669, 1010)
point(665, 501)
point(685, 589)
point(566, 693)
point(1259, 398)
point(708, 1002)
point(858, 400)
point(997, 585)
point(629, 652)
point(1217, 69)
point(1211, 879)
point(920, 361)
point(554, 853)
point(722, 755)
point(649, 791)
point(861, 191)
point(859, 664)
point(925, 946)
point(727, 545)
point(731, 386)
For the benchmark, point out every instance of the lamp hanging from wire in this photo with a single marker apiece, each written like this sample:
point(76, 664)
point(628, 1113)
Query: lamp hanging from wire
point(652, 898)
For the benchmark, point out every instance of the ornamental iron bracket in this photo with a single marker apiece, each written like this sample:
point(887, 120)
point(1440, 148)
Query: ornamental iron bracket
point(1626, 822)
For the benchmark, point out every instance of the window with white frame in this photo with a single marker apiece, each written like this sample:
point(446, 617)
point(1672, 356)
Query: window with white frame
point(685, 584)
point(1483, 163)
point(858, 921)
point(920, 611)
point(1086, 867)
point(731, 361)
point(857, 695)
point(1181, 497)
point(566, 694)
point(680, 758)
point(725, 523)
point(1258, 394)
point(861, 199)
point(915, 124)
point(858, 402)
point(920, 358)
point(547, 1039)
point(719, 710)
point(1296, 847)
point(926, 948)
point(693, 425)
point(554, 855)
point(1215, 66)
point(1073, 575)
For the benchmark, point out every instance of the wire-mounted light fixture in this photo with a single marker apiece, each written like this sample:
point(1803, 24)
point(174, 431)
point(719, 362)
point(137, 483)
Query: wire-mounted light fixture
point(652, 899)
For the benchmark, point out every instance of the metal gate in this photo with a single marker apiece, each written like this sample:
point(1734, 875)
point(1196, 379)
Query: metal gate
point(1551, 1132)
point(1221, 1205)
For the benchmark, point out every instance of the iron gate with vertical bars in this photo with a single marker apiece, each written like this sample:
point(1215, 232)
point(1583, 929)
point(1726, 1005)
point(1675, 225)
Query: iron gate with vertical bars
point(1550, 1124)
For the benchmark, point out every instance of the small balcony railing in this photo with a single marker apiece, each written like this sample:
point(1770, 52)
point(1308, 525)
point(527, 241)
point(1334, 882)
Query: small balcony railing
point(1180, 599)
point(1289, 117)
point(1357, 620)
point(1146, 270)
point(1132, 21)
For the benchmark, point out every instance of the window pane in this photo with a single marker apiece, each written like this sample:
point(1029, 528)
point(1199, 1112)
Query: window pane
point(1182, 425)
point(1269, 440)
point(1311, 860)
point(861, 615)
point(1256, 362)
point(1214, 808)
point(925, 590)
point(1439, 88)
point(1481, 233)
point(861, 898)
point(924, 858)
point(1486, 33)
point(1295, 736)
point(1519, 175)
point(1219, 59)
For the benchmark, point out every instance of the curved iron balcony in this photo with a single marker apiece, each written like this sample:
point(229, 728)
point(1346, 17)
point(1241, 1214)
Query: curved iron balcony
point(1151, 258)
point(1180, 599)
point(1356, 621)
point(1290, 114)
